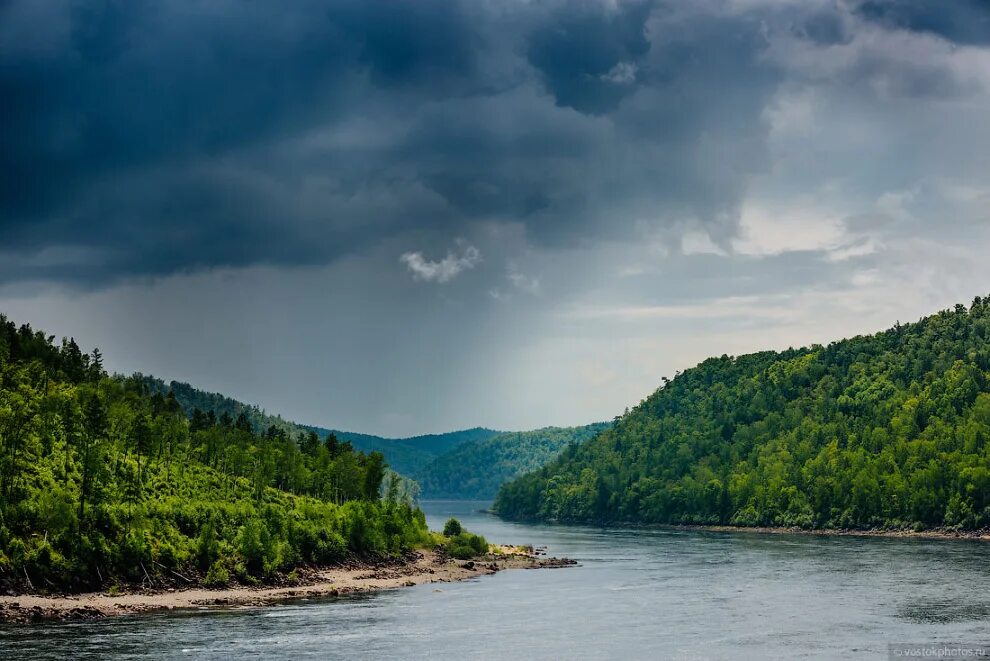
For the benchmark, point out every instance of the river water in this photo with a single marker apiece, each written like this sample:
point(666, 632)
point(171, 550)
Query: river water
point(638, 594)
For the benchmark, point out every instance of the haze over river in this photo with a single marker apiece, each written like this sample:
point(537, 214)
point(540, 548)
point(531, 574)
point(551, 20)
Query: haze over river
point(637, 594)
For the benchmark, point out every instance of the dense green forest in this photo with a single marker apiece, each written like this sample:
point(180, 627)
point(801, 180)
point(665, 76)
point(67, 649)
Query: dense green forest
point(475, 471)
point(104, 481)
point(466, 464)
point(406, 456)
point(890, 429)
point(191, 399)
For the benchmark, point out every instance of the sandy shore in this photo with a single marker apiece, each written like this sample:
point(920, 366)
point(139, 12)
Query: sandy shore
point(421, 567)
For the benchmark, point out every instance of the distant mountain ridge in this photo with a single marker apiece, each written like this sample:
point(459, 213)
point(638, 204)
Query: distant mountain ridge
point(410, 455)
point(467, 464)
point(406, 456)
point(476, 470)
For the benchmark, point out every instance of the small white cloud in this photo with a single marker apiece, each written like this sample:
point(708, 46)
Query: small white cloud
point(521, 281)
point(777, 230)
point(444, 270)
point(897, 204)
point(622, 73)
point(699, 243)
point(791, 113)
point(860, 248)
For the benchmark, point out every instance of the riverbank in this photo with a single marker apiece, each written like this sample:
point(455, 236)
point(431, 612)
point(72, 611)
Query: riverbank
point(983, 534)
point(934, 533)
point(417, 568)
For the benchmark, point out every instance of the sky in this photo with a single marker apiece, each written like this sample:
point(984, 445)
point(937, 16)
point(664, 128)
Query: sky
point(410, 217)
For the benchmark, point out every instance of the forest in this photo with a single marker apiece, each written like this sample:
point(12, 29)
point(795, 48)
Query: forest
point(406, 456)
point(103, 481)
point(882, 431)
point(469, 464)
point(476, 470)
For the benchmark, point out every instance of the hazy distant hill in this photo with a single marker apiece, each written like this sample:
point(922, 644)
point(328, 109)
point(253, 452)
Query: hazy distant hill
point(410, 455)
point(476, 470)
point(404, 455)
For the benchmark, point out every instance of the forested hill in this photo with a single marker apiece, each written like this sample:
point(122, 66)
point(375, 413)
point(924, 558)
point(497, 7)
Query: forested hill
point(103, 482)
point(191, 398)
point(889, 429)
point(476, 470)
point(404, 455)
point(409, 455)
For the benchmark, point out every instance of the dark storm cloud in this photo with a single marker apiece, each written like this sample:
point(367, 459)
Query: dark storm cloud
point(821, 26)
point(962, 21)
point(149, 138)
point(142, 132)
point(135, 83)
point(589, 54)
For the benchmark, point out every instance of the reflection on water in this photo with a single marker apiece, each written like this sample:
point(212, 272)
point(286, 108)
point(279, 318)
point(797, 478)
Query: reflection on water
point(637, 594)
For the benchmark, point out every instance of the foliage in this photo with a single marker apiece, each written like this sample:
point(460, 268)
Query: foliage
point(217, 576)
point(452, 528)
point(884, 430)
point(191, 398)
point(475, 471)
point(460, 543)
point(406, 456)
point(465, 545)
point(102, 480)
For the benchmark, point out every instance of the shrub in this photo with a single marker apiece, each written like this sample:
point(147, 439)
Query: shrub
point(748, 516)
point(207, 546)
point(217, 576)
point(243, 575)
point(452, 528)
point(465, 546)
point(44, 562)
point(331, 547)
point(253, 542)
point(135, 550)
point(284, 557)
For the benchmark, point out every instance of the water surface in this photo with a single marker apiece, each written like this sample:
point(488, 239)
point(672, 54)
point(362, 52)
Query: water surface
point(638, 594)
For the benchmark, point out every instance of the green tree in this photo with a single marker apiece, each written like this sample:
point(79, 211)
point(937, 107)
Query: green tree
point(374, 473)
point(95, 429)
point(452, 528)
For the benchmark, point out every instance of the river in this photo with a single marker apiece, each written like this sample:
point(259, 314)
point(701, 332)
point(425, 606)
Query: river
point(637, 594)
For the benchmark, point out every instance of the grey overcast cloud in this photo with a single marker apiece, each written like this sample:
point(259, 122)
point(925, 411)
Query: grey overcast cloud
point(412, 217)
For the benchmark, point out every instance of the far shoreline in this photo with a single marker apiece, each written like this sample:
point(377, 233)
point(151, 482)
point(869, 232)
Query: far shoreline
point(417, 568)
point(980, 535)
